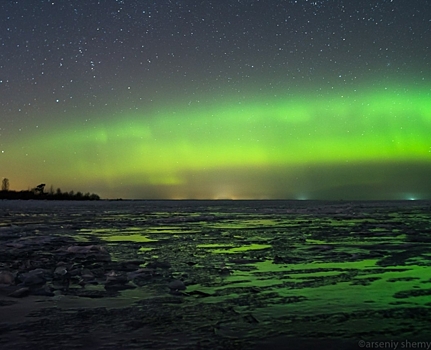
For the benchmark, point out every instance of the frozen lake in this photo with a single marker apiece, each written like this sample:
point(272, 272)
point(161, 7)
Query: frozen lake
point(217, 273)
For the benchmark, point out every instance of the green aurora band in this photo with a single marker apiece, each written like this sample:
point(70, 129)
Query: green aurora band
point(342, 145)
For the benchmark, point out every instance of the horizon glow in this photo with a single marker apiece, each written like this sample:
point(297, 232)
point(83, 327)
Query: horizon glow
point(231, 149)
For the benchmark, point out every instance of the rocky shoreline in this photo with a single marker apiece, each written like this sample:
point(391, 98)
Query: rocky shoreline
point(114, 275)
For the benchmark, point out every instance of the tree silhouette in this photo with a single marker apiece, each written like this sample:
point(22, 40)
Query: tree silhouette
point(39, 188)
point(5, 184)
point(39, 193)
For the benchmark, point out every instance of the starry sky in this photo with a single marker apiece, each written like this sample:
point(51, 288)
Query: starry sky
point(238, 99)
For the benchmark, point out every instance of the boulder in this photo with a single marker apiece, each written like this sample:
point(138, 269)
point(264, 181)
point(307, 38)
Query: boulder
point(60, 272)
point(113, 278)
point(88, 249)
point(33, 277)
point(20, 293)
point(159, 264)
point(44, 291)
point(90, 252)
point(7, 277)
point(177, 285)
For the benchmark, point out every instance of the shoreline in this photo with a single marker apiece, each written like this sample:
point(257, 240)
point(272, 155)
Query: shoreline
point(231, 276)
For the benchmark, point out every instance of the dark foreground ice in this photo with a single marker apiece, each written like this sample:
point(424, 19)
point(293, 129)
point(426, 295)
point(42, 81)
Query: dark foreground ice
point(215, 275)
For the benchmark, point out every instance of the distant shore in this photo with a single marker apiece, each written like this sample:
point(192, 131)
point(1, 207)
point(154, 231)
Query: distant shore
point(31, 195)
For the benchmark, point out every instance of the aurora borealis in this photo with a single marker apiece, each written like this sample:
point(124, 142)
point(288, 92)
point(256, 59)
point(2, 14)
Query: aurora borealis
point(218, 99)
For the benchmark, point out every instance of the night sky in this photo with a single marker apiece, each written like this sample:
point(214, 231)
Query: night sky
point(214, 99)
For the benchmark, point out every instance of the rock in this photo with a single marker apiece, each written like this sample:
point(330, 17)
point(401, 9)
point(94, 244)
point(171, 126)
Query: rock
point(74, 272)
point(140, 273)
point(111, 274)
point(15, 245)
point(88, 249)
point(159, 264)
point(199, 293)
point(84, 282)
point(278, 260)
point(87, 278)
point(141, 279)
point(117, 282)
point(59, 285)
point(112, 278)
point(7, 277)
point(33, 278)
point(20, 293)
point(225, 271)
point(86, 274)
point(98, 272)
point(177, 285)
point(250, 318)
point(45, 273)
point(142, 276)
point(118, 287)
point(44, 291)
point(130, 266)
point(60, 271)
point(90, 252)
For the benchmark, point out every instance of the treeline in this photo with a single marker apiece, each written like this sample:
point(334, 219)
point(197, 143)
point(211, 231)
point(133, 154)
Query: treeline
point(39, 193)
point(59, 195)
